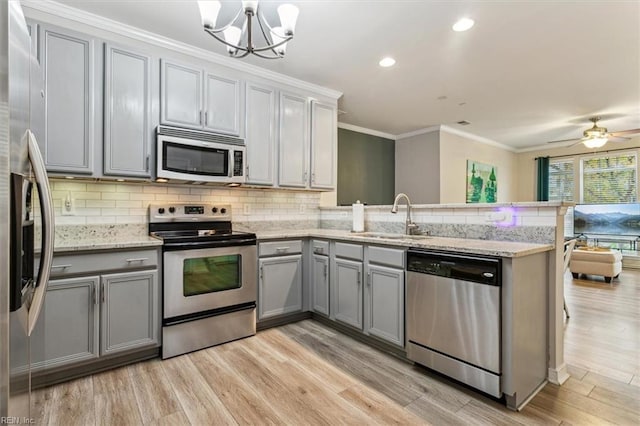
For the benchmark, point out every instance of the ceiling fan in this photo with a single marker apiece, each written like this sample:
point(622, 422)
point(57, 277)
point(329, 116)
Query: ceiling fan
point(597, 136)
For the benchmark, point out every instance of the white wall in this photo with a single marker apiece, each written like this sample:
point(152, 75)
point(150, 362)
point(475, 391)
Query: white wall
point(526, 165)
point(455, 150)
point(417, 168)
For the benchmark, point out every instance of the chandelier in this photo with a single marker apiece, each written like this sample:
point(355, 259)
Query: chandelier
point(238, 34)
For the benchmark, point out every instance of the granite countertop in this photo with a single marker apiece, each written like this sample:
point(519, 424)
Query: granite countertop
point(463, 245)
point(102, 237)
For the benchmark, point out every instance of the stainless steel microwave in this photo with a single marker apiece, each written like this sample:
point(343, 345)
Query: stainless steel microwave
point(196, 156)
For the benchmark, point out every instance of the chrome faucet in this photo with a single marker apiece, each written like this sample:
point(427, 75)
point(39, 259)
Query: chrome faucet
point(410, 227)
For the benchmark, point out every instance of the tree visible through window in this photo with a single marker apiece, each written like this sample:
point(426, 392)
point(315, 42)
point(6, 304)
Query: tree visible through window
point(610, 179)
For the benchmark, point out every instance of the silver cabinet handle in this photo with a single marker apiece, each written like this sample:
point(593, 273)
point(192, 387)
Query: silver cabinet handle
point(102, 292)
point(325, 271)
point(318, 249)
point(205, 117)
point(359, 277)
point(369, 279)
point(313, 178)
point(61, 266)
point(262, 272)
point(140, 259)
point(281, 249)
point(200, 119)
point(147, 163)
point(95, 294)
point(46, 207)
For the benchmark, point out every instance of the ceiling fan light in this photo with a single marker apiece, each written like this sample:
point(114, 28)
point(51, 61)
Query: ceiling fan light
point(288, 14)
point(209, 13)
point(250, 6)
point(594, 142)
point(277, 34)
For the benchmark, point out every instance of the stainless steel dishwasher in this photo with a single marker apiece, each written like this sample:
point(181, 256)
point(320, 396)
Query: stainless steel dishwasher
point(453, 316)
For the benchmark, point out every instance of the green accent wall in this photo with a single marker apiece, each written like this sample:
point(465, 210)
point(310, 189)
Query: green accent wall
point(366, 168)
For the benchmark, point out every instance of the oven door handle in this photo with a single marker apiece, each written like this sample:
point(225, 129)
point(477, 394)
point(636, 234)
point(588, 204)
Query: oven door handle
point(210, 244)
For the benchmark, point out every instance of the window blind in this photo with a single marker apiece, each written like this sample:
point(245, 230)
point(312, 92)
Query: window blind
point(561, 182)
point(610, 179)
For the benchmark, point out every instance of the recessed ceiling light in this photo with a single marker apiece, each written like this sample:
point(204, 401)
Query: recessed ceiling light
point(463, 24)
point(387, 62)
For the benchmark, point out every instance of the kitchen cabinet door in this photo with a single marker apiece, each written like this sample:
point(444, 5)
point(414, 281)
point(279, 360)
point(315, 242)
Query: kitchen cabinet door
point(385, 297)
point(128, 129)
point(69, 78)
point(222, 105)
point(129, 311)
point(261, 135)
point(323, 145)
point(68, 323)
point(279, 286)
point(294, 141)
point(320, 283)
point(348, 292)
point(181, 95)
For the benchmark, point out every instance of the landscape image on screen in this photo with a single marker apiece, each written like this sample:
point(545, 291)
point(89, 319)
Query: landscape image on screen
point(611, 219)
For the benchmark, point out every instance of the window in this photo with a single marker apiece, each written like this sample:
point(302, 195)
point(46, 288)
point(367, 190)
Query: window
point(610, 179)
point(561, 186)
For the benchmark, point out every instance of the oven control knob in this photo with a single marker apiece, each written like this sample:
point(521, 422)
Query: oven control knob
point(161, 210)
point(172, 209)
point(214, 210)
point(223, 211)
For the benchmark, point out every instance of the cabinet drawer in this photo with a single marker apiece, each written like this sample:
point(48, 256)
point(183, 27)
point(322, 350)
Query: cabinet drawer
point(280, 248)
point(386, 256)
point(68, 264)
point(349, 251)
point(320, 247)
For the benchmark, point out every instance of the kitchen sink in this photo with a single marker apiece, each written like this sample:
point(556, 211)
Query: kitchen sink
point(389, 236)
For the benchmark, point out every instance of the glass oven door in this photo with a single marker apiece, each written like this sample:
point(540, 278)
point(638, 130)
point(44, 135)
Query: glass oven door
point(201, 280)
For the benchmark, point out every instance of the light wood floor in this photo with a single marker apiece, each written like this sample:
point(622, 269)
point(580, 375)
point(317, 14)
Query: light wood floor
point(306, 373)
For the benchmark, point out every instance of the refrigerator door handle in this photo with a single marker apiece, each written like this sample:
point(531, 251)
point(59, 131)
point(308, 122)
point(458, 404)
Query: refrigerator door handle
point(46, 209)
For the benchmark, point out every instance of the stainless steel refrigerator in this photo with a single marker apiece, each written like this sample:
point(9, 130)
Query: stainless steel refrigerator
point(22, 176)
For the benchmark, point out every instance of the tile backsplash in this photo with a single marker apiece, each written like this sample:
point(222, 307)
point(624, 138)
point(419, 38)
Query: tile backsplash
point(115, 203)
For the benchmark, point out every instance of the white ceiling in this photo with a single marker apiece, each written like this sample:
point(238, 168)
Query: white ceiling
point(526, 73)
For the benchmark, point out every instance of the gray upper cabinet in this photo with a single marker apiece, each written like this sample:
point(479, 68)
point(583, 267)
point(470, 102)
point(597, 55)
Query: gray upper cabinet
point(347, 287)
point(323, 145)
point(192, 97)
point(68, 324)
point(182, 95)
point(279, 286)
point(129, 315)
point(222, 105)
point(261, 135)
point(128, 128)
point(385, 296)
point(69, 78)
point(294, 141)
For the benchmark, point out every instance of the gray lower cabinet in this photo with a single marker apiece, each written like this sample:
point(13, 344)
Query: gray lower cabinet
point(129, 312)
point(385, 303)
point(128, 126)
point(320, 283)
point(70, 105)
point(347, 287)
point(68, 325)
point(279, 286)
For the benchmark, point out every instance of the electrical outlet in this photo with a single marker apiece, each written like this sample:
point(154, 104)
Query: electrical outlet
point(247, 209)
point(302, 208)
point(68, 205)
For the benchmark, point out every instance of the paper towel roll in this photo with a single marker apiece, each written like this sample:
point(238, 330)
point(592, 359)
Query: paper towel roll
point(358, 217)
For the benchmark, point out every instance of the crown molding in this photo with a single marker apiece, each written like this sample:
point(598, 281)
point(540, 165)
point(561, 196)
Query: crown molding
point(71, 13)
point(544, 147)
point(476, 138)
point(347, 126)
point(418, 132)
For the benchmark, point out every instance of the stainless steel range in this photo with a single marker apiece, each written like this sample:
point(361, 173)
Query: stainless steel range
point(209, 276)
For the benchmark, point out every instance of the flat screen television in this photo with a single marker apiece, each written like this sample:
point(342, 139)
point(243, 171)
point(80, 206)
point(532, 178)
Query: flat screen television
point(607, 219)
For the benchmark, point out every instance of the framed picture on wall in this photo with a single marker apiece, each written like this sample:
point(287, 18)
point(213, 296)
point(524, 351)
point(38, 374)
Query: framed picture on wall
point(482, 182)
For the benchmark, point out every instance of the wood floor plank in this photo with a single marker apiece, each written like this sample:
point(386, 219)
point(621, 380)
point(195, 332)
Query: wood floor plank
point(242, 401)
point(576, 372)
point(72, 404)
point(112, 381)
point(154, 394)
point(578, 386)
point(175, 419)
point(635, 381)
point(475, 413)
point(381, 408)
point(199, 402)
point(622, 400)
point(117, 408)
point(434, 413)
point(567, 412)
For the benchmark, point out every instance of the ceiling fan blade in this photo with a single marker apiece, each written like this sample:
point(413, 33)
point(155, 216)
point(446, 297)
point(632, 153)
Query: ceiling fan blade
point(626, 132)
point(618, 138)
point(566, 140)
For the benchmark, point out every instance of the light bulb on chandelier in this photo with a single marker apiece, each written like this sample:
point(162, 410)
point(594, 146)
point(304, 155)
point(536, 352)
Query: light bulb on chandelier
point(233, 36)
point(594, 142)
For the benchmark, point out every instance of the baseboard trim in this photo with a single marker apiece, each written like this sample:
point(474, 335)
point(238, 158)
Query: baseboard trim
point(282, 320)
point(558, 375)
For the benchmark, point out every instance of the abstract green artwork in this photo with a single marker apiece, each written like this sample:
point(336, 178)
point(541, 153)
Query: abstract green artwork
point(482, 183)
